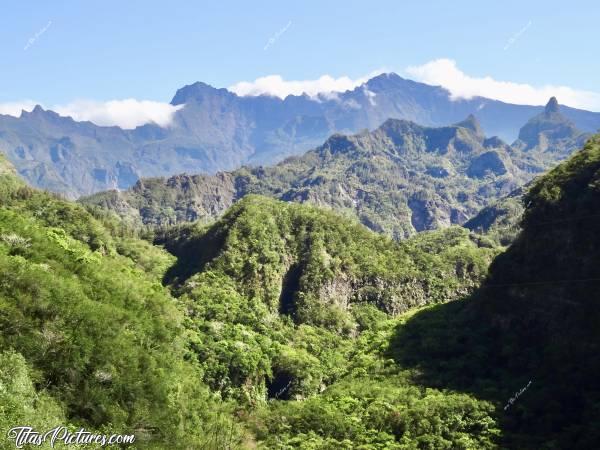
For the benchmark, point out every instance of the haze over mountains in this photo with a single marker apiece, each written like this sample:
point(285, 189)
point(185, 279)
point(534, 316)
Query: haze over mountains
point(218, 130)
point(398, 179)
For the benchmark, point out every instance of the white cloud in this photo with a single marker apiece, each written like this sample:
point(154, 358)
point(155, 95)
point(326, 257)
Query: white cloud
point(128, 113)
point(15, 108)
point(370, 95)
point(276, 86)
point(444, 72)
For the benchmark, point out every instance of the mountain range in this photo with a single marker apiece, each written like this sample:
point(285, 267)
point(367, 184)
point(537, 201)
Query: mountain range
point(216, 130)
point(283, 325)
point(399, 179)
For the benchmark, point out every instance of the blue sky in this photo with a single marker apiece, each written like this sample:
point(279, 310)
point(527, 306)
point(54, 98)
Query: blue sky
point(58, 52)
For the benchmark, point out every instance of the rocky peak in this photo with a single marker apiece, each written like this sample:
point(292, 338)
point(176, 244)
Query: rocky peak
point(384, 81)
point(547, 129)
point(471, 123)
point(551, 106)
point(36, 111)
point(39, 114)
point(196, 92)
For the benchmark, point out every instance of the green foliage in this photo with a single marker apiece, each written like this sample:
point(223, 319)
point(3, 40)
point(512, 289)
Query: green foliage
point(104, 339)
point(500, 222)
point(376, 404)
point(288, 303)
point(20, 403)
point(535, 318)
point(295, 259)
point(306, 324)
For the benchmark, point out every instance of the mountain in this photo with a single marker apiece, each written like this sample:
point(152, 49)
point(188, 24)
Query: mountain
point(551, 134)
point(288, 304)
point(215, 130)
point(62, 155)
point(545, 139)
point(397, 179)
point(283, 325)
point(199, 348)
point(299, 260)
point(529, 337)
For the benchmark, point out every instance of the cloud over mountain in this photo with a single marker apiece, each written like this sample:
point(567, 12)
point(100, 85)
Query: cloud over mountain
point(276, 86)
point(15, 108)
point(444, 72)
point(127, 113)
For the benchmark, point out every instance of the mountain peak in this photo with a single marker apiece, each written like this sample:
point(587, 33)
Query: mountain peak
point(552, 106)
point(37, 111)
point(384, 81)
point(548, 126)
point(471, 123)
point(194, 91)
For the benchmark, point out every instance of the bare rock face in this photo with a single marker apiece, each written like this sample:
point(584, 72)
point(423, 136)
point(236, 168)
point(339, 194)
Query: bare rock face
point(337, 291)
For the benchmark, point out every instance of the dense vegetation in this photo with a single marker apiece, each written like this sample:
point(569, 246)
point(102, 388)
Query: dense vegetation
point(271, 302)
point(501, 220)
point(535, 319)
point(288, 287)
point(286, 326)
point(87, 337)
point(396, 180)
point(513, 365)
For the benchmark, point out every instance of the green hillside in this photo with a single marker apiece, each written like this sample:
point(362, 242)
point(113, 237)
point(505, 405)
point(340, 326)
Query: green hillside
point(89, 337)
point(286, 326)
point(270, 304)
point(290, 308)
point(299, 268)
point(536, 318)
point(501, 220)
point(398, 179)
